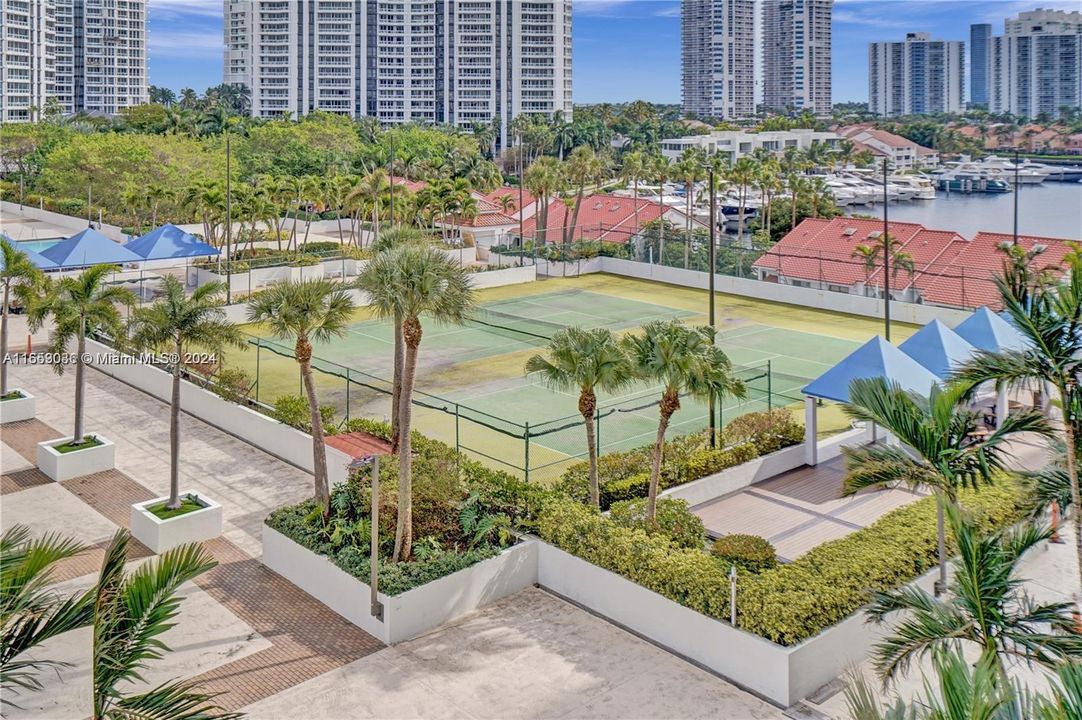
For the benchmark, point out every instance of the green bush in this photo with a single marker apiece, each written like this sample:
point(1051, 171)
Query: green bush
point(792, 602)
point(750, 552)
point(768, 431)
point(673, 520)
point(712, 460)
point(304, 260)
point(232, 384)
point(293, 411)
point(70, 206)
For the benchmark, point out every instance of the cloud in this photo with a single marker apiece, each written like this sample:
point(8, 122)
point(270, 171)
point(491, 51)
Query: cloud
point(179, 9)
point(187, 44)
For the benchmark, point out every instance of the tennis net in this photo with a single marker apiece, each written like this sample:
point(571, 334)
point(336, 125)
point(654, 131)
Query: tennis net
point(522, 327)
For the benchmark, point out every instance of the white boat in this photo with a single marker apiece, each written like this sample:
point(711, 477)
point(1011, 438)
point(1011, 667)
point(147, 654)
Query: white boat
point(1027, 173)
point(921, 187)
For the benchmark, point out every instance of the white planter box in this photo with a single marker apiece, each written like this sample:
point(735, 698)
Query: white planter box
point(306, 272)
point(65, 466)
point(19, 409)
point(161, 535)
point(415, 611)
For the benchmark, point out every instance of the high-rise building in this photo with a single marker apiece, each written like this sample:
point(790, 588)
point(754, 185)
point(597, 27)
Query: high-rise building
point(980, 46)
point(1036, 66)
point(90, 55)
point(796, 55)
point(718, 57)
point(917, 76)
point(437, 61)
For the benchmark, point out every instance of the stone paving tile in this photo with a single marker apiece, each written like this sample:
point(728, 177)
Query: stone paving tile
point(23, 437)
point(22, 479)
point(112, 493)
point(89, 561)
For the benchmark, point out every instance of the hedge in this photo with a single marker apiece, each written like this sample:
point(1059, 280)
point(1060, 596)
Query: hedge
point(749, 552)
point(789, 603)
point(673, 520)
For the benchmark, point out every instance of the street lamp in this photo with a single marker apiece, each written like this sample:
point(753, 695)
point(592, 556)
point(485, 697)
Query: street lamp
point(372, 461)
point(710, 275)
point(886, 255)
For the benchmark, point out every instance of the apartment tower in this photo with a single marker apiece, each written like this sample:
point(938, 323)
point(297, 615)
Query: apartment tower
point(796, 55)
point(1035, 67)
point(917, 76)
point(88, 55)
point(718, 57)
point(980, 46)
point(429, 61)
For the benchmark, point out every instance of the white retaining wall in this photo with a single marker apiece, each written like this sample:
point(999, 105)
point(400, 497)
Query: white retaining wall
point(415, 611)
point(506, 276)
point(254, 428)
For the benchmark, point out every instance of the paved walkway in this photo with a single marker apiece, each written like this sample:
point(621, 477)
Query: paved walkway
point(274, 651)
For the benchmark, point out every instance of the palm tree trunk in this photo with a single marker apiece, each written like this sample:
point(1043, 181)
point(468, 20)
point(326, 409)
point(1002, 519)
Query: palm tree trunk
point(941, 543)
point(77, 437)
point(670, 403)
point(403, 537)
point(396, 387)
point(319, 454)
point(792, 202)
point(174, 436)
point(687, 228)
point(588, 406)
point(1072, 477)
point(4, 341)
point(293, 235)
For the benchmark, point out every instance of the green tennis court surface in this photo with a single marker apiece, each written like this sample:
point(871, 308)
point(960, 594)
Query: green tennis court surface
point(472, 392)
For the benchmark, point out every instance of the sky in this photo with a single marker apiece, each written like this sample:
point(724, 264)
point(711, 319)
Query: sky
point(623, 49)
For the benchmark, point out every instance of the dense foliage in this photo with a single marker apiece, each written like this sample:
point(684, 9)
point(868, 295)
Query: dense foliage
point(748, 552)
point(674, 520)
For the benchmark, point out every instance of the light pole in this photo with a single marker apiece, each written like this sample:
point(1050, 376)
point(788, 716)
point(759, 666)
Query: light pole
point(710, 275)
point(228, 219)
point(1017, 190)
point(886, 257)
point(372, 462)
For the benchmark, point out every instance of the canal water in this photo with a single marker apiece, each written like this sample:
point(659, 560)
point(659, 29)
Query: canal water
point(1051, 209)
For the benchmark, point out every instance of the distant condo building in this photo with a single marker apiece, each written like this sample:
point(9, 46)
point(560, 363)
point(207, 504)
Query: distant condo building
point(432, 61)
point(88, 55)
point(980, 47)
point(718, 57)
point(1036, 66)
point(796, 55)
point(732, 145)
point(917, 76)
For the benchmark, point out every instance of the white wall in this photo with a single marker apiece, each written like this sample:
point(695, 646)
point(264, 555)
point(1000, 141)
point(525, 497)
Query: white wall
point(506, 276)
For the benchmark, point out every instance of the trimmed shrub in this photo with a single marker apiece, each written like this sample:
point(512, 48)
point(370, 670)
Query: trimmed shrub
point(293, 411)
point(712, 460)
point(673, 520)
point(304, 260)
point(768, 431)
point(750, 552)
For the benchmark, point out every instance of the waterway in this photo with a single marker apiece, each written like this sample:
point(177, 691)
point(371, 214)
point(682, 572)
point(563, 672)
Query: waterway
point(1051, 209)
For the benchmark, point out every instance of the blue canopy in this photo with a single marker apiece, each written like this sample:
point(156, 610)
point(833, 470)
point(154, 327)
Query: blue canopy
point(875, 358)
point(985, 330)
point(938, 348)
point(86, 248)
point(42, 262)
point(169, 242)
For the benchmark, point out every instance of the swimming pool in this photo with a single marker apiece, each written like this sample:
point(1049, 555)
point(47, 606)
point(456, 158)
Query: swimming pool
point(38, 245)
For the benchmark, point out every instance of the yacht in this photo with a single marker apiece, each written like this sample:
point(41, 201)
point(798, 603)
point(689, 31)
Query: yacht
point(969, 178)
point(1027, 173)
point(921, 186)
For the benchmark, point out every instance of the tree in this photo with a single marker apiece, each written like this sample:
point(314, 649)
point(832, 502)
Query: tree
point(938, 448)
point(632, 171)
point(19, 277)
point(79, 305)
point(544, 178)
point(744, 173)
point(587, 361)
point(872, 255)
point(1049, 317)
point(684, 361)
point(309, 310)
point(130, 612)
point(406, 282)
point(30, 612)
point(987, 607)
point(176, 325)
point(582, 166)
point(689, 170)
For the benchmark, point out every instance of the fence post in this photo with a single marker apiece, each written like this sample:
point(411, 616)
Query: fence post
point(597, 435)
point(347, 395)
point(457, 444)
point(258, 347)
point(769, 387)
point(526, 436)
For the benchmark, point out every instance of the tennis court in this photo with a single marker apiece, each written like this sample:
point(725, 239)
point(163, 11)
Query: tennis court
point(472, 391)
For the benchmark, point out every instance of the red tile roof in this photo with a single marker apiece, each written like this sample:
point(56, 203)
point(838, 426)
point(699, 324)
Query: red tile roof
point(494, 197)
point(601, 217)
point(412, 185)
point(949, 270)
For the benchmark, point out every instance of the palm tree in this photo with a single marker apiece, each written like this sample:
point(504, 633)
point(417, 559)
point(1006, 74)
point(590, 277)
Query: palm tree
point(155, 194)
point(20, 277)
point(871, 255)
point(744, 173)
point(684, 361)
point(31, 613)
point(371, 194)
point(689, 170)
point(543, 178)
point(587, 361)
point(987, 607)
point(661, 170)
point(632, 170)
point(1049, 317)
point(79, 305)
point(130, 612)
point(175, 325)
point(305, 311)
point(582, 166)
point(938, 449)
point(405, 282)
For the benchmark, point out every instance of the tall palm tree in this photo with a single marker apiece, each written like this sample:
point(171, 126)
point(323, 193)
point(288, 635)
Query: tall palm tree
point(544, 178)
point(582, 166)
point(684, 361)
point(661, 170)
point(371, 194)
point(689, 170)
point(79, 305)
point(938, 450)
point(588, 361)
point(18, 277)
point(305, 311)
point(987, 607)
point(872, 255)
point(30, 612)
point(1049, 317)
point(632, 170)
point(744, 174)
point(130, 612)
point(176, 325)
point(406, 282)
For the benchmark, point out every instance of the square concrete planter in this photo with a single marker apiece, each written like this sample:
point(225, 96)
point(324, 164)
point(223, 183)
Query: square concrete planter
point(18, 409)
point(65, 466)
point(161, 535)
